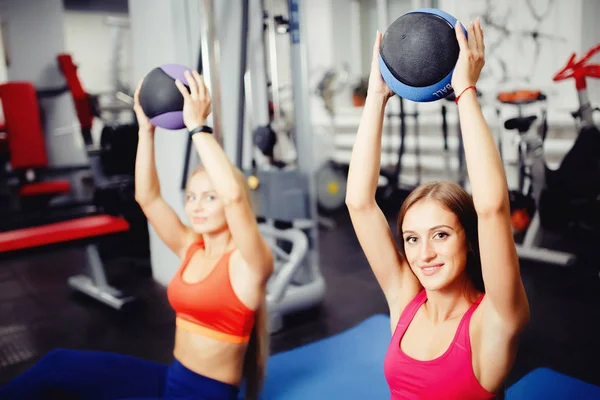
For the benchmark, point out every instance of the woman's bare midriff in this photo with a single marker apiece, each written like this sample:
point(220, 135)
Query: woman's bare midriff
point(211, 358)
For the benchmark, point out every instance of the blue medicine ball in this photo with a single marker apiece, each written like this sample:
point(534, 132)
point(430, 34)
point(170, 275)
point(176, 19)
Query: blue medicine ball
point(418, 54)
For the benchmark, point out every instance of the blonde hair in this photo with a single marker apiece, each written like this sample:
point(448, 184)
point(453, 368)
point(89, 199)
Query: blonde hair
point(257, 353)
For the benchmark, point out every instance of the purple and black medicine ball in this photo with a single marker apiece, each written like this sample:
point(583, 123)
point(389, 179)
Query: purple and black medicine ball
point(160, 99)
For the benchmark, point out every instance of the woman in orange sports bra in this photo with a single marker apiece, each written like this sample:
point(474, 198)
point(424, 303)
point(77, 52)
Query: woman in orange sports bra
point(218, 293)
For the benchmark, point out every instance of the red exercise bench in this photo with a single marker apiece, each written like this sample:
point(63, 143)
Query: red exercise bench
point(95, 283)
point(26, 144)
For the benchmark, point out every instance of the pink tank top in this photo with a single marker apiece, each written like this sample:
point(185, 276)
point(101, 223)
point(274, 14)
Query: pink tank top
point(449, 376)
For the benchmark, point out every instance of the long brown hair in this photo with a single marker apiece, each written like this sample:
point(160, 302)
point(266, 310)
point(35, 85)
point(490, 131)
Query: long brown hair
point(257, 353)
point(456, 200)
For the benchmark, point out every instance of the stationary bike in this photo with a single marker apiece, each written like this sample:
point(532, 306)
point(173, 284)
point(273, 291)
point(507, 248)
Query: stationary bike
point(522, 199)
point(572, 193)
point(568, 197)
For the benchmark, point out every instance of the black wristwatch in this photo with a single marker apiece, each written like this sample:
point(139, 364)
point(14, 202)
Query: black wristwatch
point(201, 128)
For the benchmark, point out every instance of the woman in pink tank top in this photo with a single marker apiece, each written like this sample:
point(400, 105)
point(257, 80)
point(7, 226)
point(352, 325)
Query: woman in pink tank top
point(453, 286)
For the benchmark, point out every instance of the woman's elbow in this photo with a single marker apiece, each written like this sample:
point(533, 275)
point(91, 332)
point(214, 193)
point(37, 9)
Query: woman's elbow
point(358, 201)
point(233, 194)
point(492, 207)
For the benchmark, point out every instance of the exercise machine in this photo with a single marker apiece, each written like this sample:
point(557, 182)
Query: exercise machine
point(307, 287)
point(560, 195)
point(393, 190)
point(531, 179)
point(33, 192)
point(522, 198)
point(282, 193)
point(578, 176)
point(28, 158)
point(331, 176)
point(87, 230)
point(118, 140)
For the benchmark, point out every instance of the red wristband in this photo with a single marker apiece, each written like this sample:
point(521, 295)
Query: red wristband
point(461, 93)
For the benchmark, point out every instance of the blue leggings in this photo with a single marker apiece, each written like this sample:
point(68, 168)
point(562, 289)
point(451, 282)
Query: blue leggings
point(90, 375)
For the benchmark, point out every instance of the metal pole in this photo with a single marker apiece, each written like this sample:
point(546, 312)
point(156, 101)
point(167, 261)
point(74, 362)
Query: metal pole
point(274, 72)
point(210, 63)
point(242, 91)
point(303, 130)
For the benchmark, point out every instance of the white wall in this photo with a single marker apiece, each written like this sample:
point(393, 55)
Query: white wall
point(91, 42)
point(517, 60)
point(165, 47)
point(3, 66)
point(34, 36)
point(590, 36)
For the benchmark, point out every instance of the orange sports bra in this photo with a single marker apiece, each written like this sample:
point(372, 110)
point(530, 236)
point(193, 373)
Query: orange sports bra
point(210, 307)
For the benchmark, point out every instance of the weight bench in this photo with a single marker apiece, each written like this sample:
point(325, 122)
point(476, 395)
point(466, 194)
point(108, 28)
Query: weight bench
point(26, 145)
point(94, 284)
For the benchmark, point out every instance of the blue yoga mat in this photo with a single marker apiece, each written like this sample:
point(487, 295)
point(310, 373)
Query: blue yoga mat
point(345, 366)
point(547, 384)
point(350, 366)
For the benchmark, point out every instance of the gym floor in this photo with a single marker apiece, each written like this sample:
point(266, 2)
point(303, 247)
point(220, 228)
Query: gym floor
point(39, 313)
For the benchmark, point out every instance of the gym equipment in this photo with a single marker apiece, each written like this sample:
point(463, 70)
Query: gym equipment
point(289, 290)
point(567, 197)
point(285, 197)
point(418, 54)
point(522, 199)
point(531, 173)
point(281, 195)
point(331, 176)
point(31, 201)
point(545, 383)
point(118, 143)
point(275, 139)
point(572, 192)
point(348, 365)
point(112, 160)
point(522, 210)
point(85, 106)
point(160, 99)
point(393, 184)
point(86, 229)
point(331, 186)
point(111, 195)
point(265, 139)
point(27, 148)
point(95, 224)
